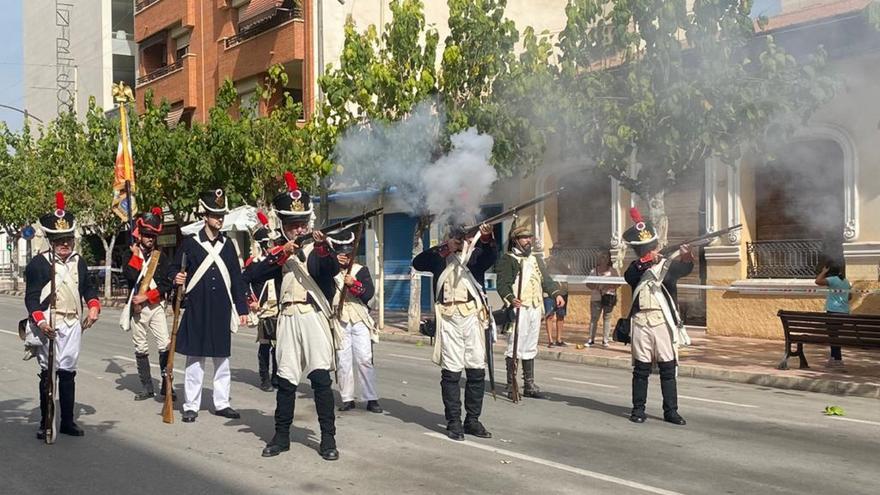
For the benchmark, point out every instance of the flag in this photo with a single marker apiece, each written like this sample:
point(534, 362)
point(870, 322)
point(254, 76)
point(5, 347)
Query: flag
point(124, 205)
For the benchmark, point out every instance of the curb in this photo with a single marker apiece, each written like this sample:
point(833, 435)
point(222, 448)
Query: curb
point(835, 387)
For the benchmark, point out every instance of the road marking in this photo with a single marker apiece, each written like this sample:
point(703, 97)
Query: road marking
point(855, 420)
point(580, 382)
point(713, 401)
point(10, 333)
point(414, 358)
point(152, 365)
point(556, 465)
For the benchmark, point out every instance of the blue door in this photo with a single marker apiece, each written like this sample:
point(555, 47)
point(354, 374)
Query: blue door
point(398, 260)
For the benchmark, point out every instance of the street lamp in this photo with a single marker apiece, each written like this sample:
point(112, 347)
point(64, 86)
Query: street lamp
point(26, 114)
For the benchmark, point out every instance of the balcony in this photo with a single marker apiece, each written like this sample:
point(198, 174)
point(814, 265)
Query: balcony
point(579, 260)
point(280, 17)
point(142, 4)
point(784, 259)
point(176, 86)
point(159, 15)
point(160, 72)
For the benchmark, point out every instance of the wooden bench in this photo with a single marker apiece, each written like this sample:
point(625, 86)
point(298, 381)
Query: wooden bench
point(862, 331)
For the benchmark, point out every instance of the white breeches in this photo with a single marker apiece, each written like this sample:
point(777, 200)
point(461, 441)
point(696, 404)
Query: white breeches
point(302, 345)
point(462, 343)
point(68, 336)
point(195, 374)
point(356, 352)
point(529, 328)
point(151, 320)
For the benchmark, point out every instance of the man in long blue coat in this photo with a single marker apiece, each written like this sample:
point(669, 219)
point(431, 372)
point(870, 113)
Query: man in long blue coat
point(215, 306)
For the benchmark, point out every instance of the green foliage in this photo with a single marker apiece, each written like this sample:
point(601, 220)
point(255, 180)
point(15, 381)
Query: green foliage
point(833, 411)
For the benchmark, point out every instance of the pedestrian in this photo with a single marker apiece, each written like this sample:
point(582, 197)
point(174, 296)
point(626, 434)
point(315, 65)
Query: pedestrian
point(836, 301)
point(520, 262)
point(72, 288)
point(144, 313)
point(554, 316)
point(655, 320)
point(354, 321)
point(263, 306)
point(215, 306)
point(462, 313)
point(603, 298)
point(305, 339)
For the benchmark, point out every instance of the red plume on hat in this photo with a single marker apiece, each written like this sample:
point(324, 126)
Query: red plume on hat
point(59, 204)
point(291, 182)
point(262, 218)
point(636, 215)
point(156, 211)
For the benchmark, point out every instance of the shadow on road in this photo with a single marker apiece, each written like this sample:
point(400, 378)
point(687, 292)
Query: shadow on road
point(409, 413)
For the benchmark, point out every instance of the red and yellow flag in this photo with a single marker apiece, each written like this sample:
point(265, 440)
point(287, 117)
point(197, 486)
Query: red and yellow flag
point(124, 204)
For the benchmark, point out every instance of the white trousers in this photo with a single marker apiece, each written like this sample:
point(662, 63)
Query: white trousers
point(462, 344)
point(529, 328)
point(357, 351)
point(302, 345)
point(151, 320)
point(68, 336)
point(195, 374)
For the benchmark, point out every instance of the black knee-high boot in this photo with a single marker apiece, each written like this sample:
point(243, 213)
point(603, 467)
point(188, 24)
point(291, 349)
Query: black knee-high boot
point(274, 367)
point(474, 389)
point(285, 400)
point(641, 372)
point(449, 389)
point(143, 367)
point(263, 353)
point(529, 387)
point(44, 403)
point(325, 405)
point(66, 399)
point(163, 366)
point(669, 388)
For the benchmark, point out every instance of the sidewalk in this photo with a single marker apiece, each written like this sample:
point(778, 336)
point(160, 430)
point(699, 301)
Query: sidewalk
point(730, 359)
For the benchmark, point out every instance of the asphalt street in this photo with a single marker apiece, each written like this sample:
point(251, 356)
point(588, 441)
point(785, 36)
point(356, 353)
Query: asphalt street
point(740, 439)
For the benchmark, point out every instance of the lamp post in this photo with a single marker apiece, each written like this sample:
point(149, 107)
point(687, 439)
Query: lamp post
point(26, 114)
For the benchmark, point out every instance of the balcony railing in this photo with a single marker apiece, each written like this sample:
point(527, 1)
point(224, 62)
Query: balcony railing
point(579, 260)
point(784, 259)
point(281, 16)
point(156, 74)
point(140, 5)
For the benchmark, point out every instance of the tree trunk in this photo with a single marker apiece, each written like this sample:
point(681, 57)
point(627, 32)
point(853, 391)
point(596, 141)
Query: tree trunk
point(414, 315)
point(108, 265)
point(13, 260)
point(657, 215)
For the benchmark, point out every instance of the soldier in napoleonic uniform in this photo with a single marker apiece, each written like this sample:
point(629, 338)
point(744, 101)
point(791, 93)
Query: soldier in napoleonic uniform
point(263, 303)
point(144, 314)
point(72, 288)
point(215, 306)
point(306, 342)
point(521, 261)
point(359, 329)
point(655, 320)
point(462, 314)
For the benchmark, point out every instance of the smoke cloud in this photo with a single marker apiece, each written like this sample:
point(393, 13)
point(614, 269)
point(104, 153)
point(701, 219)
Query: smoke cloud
point(407, 156)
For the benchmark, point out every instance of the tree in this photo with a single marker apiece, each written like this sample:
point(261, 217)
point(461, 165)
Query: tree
point(662, 89)
point(24, 187)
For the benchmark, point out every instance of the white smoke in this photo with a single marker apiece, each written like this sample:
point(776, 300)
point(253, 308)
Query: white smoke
point(406, 155)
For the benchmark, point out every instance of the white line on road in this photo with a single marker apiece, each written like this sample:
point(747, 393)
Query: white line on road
point(10, 333)
point(152, 365)
point(556, 465)
point(713, 401)
point(855, 420)
point(414, 358)
point(580, 382)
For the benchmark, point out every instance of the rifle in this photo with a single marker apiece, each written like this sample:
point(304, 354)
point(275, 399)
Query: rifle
point(490, 359)
point(168, 406)
point(514, 386)
point(348, 222)
point(148, 277)
point(51, 432)
point(698, 241)
point(470, 230)
point(343, 293)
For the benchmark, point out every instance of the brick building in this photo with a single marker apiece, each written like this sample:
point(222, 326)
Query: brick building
point(187, 48)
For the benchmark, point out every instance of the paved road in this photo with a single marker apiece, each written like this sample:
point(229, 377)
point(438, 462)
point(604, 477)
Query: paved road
point(740, 439)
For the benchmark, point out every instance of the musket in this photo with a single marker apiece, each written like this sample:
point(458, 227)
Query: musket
point(50, 367)
point(514, 386)
point(490, 359)
point(168, 406)
point(698, 241)
point(470, 230)
point(348, 222)
point(148, 276)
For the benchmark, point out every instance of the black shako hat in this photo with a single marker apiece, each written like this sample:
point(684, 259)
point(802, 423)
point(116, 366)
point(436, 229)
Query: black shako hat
point(294, 205)
point(214, 202)
point(59, 223)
